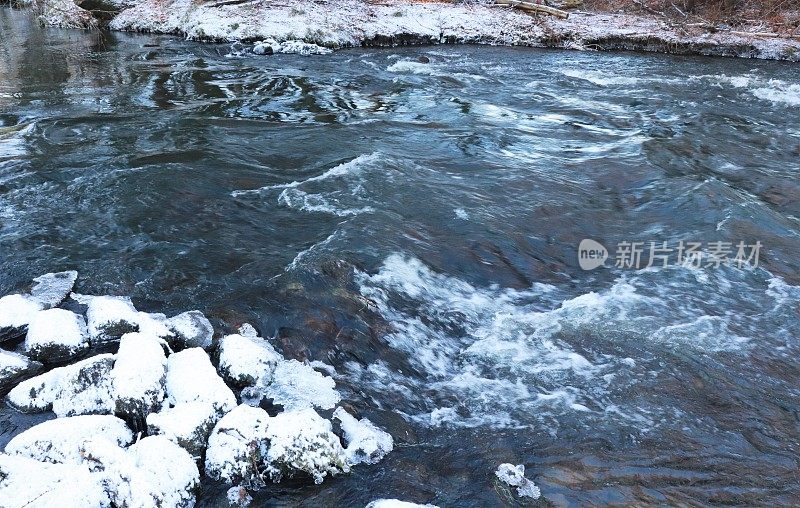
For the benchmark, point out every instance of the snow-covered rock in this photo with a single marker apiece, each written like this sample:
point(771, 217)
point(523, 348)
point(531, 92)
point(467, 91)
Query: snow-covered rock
point(238, 497)
point(51, 289)
point(16, 311)
point(514, 476)
point(191, 329)
point(14, 366)
point(187, 425)
point(152, 473)
point(365, 442)
point(396, 503)
point(192, 378)
point(138, 377)
point(237, 447)
point(29, 483)
point(271, 46)
point(109, 317)
point(247, 330)
point(302, 442)
point(55, 335)
point(154, 325)
point(81, 388)
point(247, 361)
point(61, 440)
point(296, 385)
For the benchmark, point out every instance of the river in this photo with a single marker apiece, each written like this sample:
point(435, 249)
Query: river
point(412, 217)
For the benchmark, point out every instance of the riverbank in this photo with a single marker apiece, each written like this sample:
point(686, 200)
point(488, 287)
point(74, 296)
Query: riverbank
point(352, 23)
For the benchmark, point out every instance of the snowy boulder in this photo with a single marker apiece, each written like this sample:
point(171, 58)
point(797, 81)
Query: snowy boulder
point(296, 385)
point(13, 367)
point(395, 503)
point(188, 425)
point(247, 330)
point(51, 289)
point(191, 329)
point(237, 446)
point(301, 442)
point(514, 476)
point(155, 325)
point(29, 483)
point(16, 311)
point(152, 473)
point(247, 361)
point(192, 378)
point(109, 317)
point(82, 388)
point(365, 442)
point(61, 440)
point(263, 48)
point(56, 335)
point(138, 377)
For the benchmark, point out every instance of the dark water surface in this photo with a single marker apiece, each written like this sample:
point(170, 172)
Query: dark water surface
point(415, 226)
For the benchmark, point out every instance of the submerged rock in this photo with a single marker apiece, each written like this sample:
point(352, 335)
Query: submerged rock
point(26, 482)
point(60, 440)
point(55, 335)
point(13, 367)
point(192, 378)
point(365, 442)
point(138, 377)
point(237, 447)
point(514, 476)
point(109, 317)
point(191, 329)
point(16, 311)
point(247, 361)
point(82, 388)
point(188, 425)
point(51, 289)
point(296, 385)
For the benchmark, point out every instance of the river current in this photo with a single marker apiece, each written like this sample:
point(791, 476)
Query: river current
point(411, 218)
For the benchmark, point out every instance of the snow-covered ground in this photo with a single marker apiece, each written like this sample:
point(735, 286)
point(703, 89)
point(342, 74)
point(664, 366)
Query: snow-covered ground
point(351, 23)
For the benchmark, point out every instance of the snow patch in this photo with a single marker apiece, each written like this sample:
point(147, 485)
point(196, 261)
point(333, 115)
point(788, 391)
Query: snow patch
point(514, 476)
point(365, 442)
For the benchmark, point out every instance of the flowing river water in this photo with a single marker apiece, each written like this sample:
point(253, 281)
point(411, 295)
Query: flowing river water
point(415, 226)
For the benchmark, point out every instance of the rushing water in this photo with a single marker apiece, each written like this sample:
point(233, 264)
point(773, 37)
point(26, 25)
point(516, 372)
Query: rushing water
point(415, 225)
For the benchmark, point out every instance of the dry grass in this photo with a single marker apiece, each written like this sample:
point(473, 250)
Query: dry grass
point(779, 15)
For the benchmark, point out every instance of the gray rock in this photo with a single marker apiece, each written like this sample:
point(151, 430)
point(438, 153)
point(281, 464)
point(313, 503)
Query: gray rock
point(14, 367)
point(191, 329)
point(52, 288)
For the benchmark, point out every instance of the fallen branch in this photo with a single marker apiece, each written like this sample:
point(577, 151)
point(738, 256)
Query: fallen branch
point(770, 35)
point(528, 6)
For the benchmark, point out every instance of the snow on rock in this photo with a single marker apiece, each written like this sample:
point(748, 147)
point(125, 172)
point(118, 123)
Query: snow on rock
point(16, 311)
point(192, 378)
point(237, 446)
point(109, 317)
point(247, 361)
point(395, 503)
point(152, 473)
point(55, 335)
point(302, 442)
point(296, 385)
point(155, 325)
point(191, 329)
point(238, 497)
point(61, 440)
point(29, 483)
point(138, 376)
point(365, 442)
point(187, 425)
point(51, 289)
point(271, 46)
point(514, 476)
point(14, 366)
point(81, 388)
point(247, 330)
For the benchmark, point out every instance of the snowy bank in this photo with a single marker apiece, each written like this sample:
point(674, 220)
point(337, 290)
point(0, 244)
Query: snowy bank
point(291, 25)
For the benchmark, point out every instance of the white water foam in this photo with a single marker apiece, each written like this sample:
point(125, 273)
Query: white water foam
point(773, 90)
point(491, 356)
